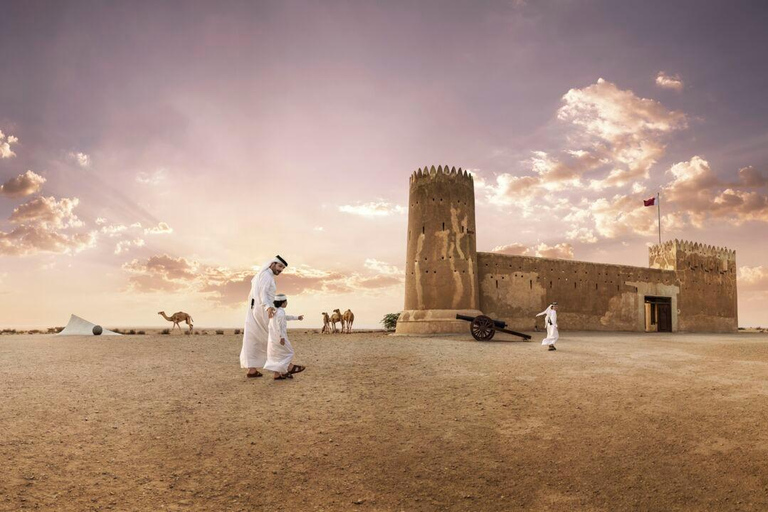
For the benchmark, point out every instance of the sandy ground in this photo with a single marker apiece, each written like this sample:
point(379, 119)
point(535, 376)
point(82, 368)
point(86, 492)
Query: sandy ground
point(378, 422)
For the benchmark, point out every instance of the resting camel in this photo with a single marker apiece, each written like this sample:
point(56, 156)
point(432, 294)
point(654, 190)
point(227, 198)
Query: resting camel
point(346, 321)
point(178, 317)
point(336, 318)
point(326, 323)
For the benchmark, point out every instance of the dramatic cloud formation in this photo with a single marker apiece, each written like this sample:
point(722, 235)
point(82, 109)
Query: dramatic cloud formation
point(22, 185)
point(161, 229)
point(161, 273)
point(5, 145)
point(542, 250)
point(622, 126)
point(673, 82)
point(373, 209)
point(617, 136)
point(47, 212)
point(41, 224)
point(31, 239)
point(700, 194)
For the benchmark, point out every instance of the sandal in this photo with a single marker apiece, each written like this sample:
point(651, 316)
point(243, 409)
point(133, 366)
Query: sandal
point(280, 376)
point(252, 375)
point(297, 368)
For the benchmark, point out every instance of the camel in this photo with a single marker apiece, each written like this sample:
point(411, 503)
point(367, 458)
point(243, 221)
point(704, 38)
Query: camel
point(178, 317)
point(336, 318)
point(347, 319)
point(326, 323)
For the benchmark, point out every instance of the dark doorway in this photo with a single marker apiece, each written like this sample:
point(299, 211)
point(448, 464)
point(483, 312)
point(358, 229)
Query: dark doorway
point(658, 314)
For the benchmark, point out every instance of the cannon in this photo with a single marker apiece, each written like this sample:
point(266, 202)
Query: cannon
point(484, 327)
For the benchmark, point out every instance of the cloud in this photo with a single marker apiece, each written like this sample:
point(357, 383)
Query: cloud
point(515, 249)
point(373, 209)
point(542, 250)
point(673, 82)
point(125, 245)
point(753, 278)
point(696, 190)
point(161, 273)
point(152, 178)
point(47, 212)
point(382, 267)
point(113, 230)
point(161, 229)
point(625, 128)
point(5, 145)
point(82, 159)
point(31, 239)
point(41, 225)
point(22, 185)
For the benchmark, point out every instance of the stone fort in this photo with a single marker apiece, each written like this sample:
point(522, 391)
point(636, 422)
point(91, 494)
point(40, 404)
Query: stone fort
point(686, 287)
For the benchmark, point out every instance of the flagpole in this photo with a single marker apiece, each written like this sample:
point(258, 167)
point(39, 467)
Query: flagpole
point(658, 207)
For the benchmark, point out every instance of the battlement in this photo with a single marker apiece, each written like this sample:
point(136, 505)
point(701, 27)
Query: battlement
point(689, 247)
point(431, 173)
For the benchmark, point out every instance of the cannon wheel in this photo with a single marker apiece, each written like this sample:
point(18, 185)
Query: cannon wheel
point(482, 328)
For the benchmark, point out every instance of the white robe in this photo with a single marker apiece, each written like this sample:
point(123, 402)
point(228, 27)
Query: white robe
point(550, 320)
point(279, 356)
point(255, 334)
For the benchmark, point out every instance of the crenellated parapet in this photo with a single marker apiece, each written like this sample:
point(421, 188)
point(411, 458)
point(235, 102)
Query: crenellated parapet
point(686, 255)
point(441, 172)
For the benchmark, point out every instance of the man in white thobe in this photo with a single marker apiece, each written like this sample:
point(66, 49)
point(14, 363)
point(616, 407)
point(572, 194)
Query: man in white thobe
point(550, 321)
point(261, 308)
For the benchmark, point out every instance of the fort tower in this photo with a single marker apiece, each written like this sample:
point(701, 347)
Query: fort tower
point(441, 256)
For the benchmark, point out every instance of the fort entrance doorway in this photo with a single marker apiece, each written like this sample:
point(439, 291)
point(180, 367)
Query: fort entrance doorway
point(658, 314)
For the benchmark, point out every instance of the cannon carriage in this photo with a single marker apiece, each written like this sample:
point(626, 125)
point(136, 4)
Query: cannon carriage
point(483, 328)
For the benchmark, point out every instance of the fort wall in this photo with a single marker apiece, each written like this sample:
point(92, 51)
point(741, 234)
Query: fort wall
point(593, 296)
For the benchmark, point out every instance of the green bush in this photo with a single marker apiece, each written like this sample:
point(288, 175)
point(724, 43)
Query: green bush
point(390, 321)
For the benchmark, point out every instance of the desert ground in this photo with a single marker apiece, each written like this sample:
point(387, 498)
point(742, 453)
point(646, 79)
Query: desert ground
point(378, 422)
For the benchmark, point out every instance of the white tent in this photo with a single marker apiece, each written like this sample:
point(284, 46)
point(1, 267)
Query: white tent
point(80, 327)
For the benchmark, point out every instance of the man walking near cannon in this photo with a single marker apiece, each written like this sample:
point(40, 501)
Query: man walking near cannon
point(261, 308)
point(550, 322)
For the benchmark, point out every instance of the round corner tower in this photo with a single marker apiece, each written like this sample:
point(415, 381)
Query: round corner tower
point(441, 261)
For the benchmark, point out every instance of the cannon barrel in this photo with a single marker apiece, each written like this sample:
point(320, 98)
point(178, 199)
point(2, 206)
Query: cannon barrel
point(498, 323)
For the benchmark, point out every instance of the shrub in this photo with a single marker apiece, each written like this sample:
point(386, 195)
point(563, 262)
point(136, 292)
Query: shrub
point(34, 331)
point(237, 331)
point(132, 331)
point(141, 332)
point(197, 333)
point(390, 321)
point(187, 333)
point(219, 332)
point(165, 331)
point(205, 332)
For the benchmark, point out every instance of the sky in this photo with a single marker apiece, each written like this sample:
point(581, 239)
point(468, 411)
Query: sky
point(153, 154)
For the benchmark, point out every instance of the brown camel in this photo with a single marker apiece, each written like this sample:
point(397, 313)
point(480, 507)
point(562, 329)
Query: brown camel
point(336, 318)
point(178, 317)
point(326, 323)
point(346, 321)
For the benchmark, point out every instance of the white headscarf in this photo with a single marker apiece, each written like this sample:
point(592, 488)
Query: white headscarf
point(549, 308)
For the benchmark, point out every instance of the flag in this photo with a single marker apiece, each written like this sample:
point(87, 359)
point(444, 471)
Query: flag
point(649, 202)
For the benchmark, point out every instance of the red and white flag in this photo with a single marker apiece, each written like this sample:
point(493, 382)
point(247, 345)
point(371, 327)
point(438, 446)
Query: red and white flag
point(649, 202)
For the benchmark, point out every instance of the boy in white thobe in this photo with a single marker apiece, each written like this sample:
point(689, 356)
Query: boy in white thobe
point(550, 321)
point(261, 300)
point(279, 349)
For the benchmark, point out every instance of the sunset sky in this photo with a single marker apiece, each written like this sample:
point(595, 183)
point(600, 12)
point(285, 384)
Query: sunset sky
point(153, 153)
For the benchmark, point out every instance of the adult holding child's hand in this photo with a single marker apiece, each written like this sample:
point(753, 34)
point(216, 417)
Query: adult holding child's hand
point(261, 309)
